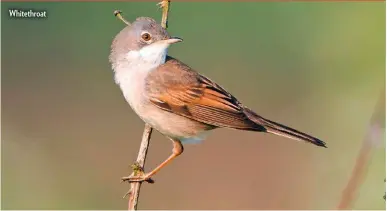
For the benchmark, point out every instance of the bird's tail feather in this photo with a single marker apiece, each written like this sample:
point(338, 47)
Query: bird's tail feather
point(282, 130)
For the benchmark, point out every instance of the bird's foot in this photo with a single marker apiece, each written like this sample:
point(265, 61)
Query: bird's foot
point(138, 175)
point(163, 4)
point(140, 178)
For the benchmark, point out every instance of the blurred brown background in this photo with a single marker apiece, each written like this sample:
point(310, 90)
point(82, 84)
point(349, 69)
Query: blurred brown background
point(68, 135)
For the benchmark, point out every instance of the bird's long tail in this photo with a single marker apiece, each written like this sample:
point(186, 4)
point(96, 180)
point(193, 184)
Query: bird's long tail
point(282, 130)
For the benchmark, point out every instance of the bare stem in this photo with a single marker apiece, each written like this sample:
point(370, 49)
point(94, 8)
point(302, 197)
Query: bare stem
point(372, 139)
point(164, 4)
point(134, 191)
point(118, 13)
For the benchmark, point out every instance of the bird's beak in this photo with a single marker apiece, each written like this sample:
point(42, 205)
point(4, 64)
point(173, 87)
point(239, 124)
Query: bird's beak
point(172, 40)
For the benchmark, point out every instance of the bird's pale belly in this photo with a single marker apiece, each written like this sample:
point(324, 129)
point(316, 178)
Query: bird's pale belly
point(173, 125)
point(165, 122)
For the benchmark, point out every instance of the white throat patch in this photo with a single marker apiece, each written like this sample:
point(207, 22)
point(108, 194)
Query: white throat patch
point(153, 55)
point(139, 63)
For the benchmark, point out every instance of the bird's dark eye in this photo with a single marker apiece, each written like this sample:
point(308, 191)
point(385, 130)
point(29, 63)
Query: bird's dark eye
point(146, 36)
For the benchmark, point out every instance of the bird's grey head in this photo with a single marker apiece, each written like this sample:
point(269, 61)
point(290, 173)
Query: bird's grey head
point(144, 40)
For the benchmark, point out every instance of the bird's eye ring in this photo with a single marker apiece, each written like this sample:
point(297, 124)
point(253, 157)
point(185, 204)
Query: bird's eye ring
point(146, 36)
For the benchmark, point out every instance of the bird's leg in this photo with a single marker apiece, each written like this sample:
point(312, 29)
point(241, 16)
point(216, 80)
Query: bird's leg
point(164, 4)
point(140, 176)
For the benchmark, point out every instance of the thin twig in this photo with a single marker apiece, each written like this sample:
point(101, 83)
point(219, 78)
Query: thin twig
point(118, 13)
point(165, 6)
point(371, 140)
point(138, 167)
point(134, 191)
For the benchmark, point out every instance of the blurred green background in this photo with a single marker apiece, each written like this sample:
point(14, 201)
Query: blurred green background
point(68, 135)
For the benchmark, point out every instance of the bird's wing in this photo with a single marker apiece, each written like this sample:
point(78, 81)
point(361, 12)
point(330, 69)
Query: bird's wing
point(177, 88)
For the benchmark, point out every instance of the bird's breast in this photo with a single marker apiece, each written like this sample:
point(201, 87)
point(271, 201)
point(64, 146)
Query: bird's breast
point(132, 82)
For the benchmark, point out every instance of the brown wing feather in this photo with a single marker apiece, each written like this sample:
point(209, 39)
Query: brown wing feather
point(177, 88)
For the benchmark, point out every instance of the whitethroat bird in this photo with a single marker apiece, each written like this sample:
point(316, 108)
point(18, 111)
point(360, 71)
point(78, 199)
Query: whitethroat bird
point(173, 98)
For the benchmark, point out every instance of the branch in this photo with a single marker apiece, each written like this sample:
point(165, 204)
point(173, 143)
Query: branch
point(138, 167)
point(164, 4)
point(371, 140)
point(134, 191)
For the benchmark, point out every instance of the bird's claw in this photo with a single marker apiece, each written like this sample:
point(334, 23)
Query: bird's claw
point(138, 175)
point(139, 178)
point(143, 177)
point(133, 178)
